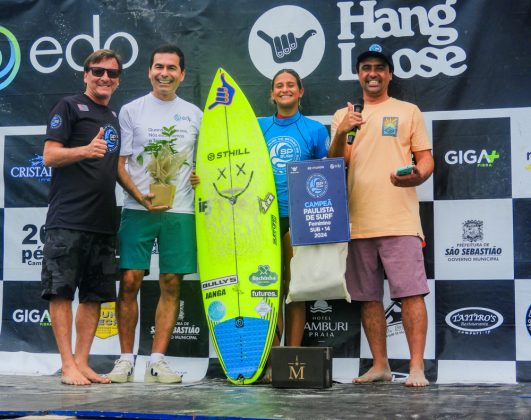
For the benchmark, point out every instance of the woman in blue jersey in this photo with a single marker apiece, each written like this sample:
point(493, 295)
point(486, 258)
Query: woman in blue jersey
point(290, 136)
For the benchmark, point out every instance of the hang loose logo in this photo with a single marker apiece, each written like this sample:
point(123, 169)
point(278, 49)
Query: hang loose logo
point(287, 47)
point(224, 94)
point(286, 36)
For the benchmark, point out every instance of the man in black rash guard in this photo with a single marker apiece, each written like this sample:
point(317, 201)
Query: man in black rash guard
point(82, 145)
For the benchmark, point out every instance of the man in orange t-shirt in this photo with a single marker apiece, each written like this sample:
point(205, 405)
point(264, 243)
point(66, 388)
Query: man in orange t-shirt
point(386, 233)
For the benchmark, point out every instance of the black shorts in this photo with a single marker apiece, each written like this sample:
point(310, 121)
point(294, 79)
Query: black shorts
point(79, 259)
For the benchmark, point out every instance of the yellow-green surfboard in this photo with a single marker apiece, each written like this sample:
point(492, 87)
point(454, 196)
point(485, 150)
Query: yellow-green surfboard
point(238, 238)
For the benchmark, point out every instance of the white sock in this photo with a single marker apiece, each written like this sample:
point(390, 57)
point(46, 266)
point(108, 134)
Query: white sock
point(155, 357)
point(128, 356)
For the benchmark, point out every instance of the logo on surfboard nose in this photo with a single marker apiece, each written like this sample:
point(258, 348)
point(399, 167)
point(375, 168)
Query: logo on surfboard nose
point(224, 93)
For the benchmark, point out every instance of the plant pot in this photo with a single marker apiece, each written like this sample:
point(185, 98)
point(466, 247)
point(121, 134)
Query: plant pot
point(163, 194)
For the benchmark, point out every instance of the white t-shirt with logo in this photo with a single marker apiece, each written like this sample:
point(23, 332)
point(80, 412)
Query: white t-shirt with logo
point(141, 121)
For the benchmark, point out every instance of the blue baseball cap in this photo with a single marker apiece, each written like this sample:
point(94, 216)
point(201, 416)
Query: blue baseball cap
point(375, 51)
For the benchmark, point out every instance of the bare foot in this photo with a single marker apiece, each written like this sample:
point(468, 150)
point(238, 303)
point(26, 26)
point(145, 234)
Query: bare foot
point(73, 376)
point(416, 378)
point(267, 376)
point(93, 377)
point(374, 375)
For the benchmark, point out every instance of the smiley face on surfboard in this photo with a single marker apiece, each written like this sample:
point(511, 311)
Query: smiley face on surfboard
point(238, 236)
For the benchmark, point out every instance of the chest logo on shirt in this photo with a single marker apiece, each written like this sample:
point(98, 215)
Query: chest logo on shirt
point(110, 135)
point(390, 126)
point(179, 118)
point(283, 149)
point(56, 121)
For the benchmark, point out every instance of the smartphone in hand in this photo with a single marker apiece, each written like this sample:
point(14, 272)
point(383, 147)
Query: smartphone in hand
point(404, 170)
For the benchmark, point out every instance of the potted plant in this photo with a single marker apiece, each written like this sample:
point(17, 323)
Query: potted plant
point(163, 166)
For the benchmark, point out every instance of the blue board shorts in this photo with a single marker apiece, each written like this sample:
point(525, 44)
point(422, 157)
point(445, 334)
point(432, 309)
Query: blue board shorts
point(175, 236)
point(75, 259)
point(400, 256)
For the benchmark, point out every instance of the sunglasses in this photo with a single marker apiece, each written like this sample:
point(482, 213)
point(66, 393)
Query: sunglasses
point(100, 71)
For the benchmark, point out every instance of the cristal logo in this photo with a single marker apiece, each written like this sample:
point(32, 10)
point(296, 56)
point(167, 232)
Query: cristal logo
point(438, 57)
point(34, 316)
point(46, 53)
point(471, 157)
point(35, 170)
point(9, 65)
point(528, 320)
point(474, 319)
point(286, 36)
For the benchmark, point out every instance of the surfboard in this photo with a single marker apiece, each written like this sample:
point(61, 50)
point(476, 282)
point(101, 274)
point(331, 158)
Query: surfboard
point(238, 237)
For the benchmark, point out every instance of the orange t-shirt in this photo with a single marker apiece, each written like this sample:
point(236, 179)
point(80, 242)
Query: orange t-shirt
point(393, 130)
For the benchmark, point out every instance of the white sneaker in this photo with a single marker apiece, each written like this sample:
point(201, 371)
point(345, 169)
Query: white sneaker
point(123, 371)
point(161, 372)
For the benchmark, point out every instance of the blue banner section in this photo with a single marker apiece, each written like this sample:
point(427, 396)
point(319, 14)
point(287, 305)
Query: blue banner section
point(318, 208)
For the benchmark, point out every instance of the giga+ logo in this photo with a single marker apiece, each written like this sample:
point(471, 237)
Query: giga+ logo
point(34, 316)
point(10, 62)
point(471, 157)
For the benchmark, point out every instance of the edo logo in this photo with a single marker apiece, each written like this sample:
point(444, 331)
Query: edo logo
point(10, 62)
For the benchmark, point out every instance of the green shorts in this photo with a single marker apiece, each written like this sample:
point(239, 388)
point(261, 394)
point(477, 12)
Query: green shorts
point(175, 235)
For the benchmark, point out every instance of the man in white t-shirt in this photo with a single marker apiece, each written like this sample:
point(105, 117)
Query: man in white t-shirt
point(173, 227)
point(384, 211)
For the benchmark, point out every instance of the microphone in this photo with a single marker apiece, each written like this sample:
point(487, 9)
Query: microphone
point(352, 133)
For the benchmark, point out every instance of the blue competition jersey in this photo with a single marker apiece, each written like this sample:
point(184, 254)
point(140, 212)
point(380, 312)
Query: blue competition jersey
point(290, 140)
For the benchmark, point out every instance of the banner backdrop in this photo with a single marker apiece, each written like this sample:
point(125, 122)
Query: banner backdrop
point(464, 63)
